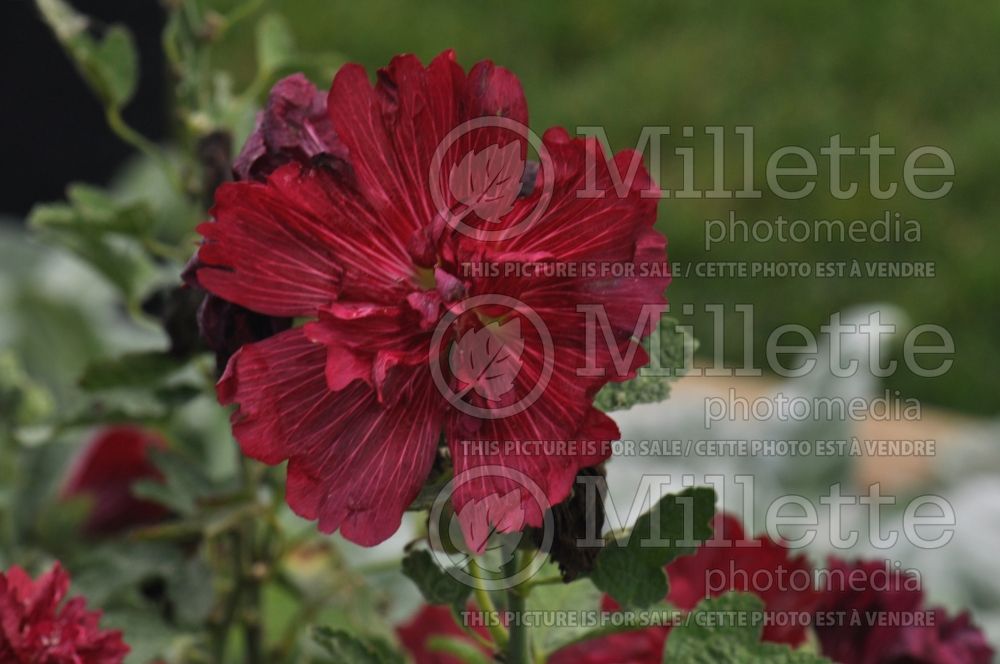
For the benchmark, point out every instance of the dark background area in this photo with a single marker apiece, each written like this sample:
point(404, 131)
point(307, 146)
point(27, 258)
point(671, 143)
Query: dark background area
point(53, 128)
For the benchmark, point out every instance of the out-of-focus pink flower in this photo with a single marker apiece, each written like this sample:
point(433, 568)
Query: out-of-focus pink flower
point(294, 126)
point(756, 565)
point(870, 613)
point(106, 471)
point(640, 646)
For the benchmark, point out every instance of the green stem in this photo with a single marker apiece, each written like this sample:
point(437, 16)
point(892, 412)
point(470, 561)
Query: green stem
point(244, 11)
point(306, 616)
point(253, 635)
point(121, 129)
point(485, 602)
point(473, 634)
point(9, 455)
point(220, 633)
point(518, 647)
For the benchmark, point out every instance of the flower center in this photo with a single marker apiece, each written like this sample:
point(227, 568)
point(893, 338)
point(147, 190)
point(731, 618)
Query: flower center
point(425, 278)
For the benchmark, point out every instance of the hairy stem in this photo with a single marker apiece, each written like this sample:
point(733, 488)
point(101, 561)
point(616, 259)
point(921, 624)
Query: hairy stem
point(485, 602)
point(121, 129)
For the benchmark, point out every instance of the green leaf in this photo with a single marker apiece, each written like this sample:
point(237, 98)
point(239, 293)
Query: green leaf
point(22, 401)
point(727, 630)
point(630, 568)
point(580, 596)
point(192, 588)
point(122, 406)
point(109, 65)
point(55, 518)
point(107, 234)
point(130, 370)
point(275, 43)
point(99, 208)
point(162, 494)
point(436, 585)
point(117, 569)
point(117, 62)
point(652, 385)
point(114, 575)
point(184, 482)
point(148, 636)
point(659, 615)
point(349, 648)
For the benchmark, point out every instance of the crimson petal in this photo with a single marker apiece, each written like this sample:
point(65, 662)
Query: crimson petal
point(353, 464)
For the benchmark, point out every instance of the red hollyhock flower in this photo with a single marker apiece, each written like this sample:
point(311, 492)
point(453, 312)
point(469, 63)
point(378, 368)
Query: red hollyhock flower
point(858, 595)
point(37, 627)
point(362, 250)
point(106, 470)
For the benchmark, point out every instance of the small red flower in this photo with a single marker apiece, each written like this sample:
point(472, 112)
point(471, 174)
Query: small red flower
point(863, 604)
point(361, 249)
point(36, 627)
point(294, 126)
point(756, 565)
point(431, 621)
point(114, 460)
point(640, 646)
point(636, 647)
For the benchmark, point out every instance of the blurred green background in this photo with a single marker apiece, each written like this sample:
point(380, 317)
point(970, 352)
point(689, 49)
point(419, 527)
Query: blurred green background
point(917, 73)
